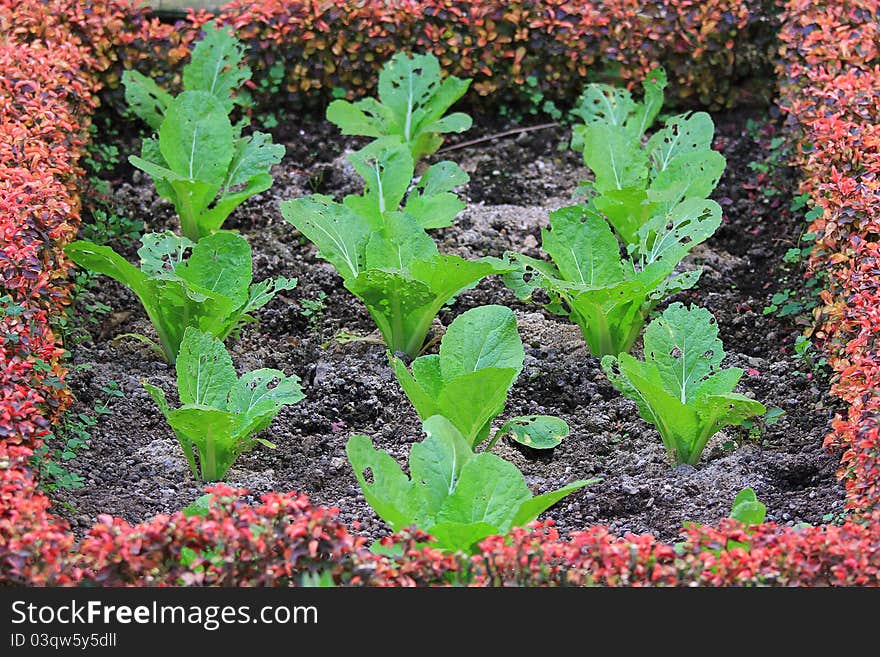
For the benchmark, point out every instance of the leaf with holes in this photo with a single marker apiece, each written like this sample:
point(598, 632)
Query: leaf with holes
point(536, 431)
point(220, 414)
point(180, 284)
point(680, 387)
point(200, 162)
point(413, 99)
point(636, 180)
point(609, 296)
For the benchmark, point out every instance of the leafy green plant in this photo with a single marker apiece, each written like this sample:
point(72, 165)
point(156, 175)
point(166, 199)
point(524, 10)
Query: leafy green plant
point(636, 180)
point(379, 245)
point(210, 289)
point(481, 355)
point(106, 226)
point(200, 160)
point(747, 509)
point(313, 309)
point(413, 99)
point(453, 494)
point(680, 387)
point(220, 414)
point(608, 296)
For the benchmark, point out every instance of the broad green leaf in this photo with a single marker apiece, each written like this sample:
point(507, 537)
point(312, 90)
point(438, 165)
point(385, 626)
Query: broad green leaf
point(423, 399)
point(672, 235)
point(205, 374)
point(727, 409)
point(145, 98)
point(436, 463)
point(685, 133)
point(433, 204)
point(360, 118)
point(156, 172)
point(448, 275)
point(196, 137)
point(253, 156)
point(437, 211)
point(264, 391)
point(719, 382)
point(160, 253)
point(387, 169)
point(200, 507)
point(442, 177)
point(626, 210)
point(455, 122)
point(684, 347)
point(489, 490)
point(339, 233)
point(600, 104)
point(216, 65)
point(530, 509)
point(401, 306)
point(615, 156)
point(157, 168)
point(406, 86)
point(449, 91)
point(529, 274)
point(104, 260)
point(675, 284)
point(483, 337)
point(397, 244)
point(426, 370)
point(583, 247)
point(689, 175)
point(391, 493)
point(747, 509)
point(472, 400)
point(221, 264)
point(536, 431)
point(461, 536)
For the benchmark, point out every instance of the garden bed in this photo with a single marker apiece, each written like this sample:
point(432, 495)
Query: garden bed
point(135, 468)
point(60, 57)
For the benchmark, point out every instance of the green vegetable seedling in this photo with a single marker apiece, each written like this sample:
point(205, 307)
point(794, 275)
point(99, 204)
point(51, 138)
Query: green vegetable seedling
point(607, 296)
point(379, 245)
point(220, 414)
point(413, 98)
point(481, 355)
point(211, 289)
point(747, 509)
point(457, 496)
point(200, 161)
point(634, 179)
point(680, 387)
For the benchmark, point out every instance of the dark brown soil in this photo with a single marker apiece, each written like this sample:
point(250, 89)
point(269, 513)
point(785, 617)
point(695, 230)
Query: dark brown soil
point(135, 468)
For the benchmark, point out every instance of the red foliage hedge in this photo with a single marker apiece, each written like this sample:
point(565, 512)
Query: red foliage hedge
point(832, 91)
point(53, 62)
point(709, 47)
